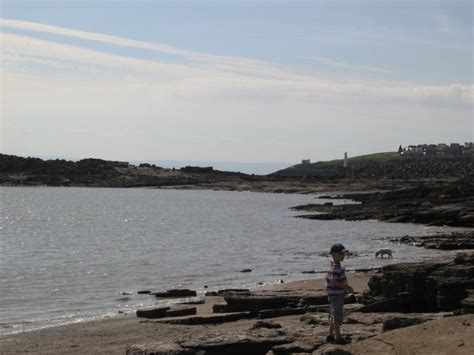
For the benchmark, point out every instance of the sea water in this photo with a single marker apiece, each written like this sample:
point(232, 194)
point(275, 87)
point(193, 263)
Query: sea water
point(75, 254)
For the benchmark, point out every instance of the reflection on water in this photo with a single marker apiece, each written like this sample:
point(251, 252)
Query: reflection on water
point(68, 253)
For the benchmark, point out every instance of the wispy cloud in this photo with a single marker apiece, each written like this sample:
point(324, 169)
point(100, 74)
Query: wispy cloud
point(380, 36)
point(221, 75)
point(224, 62)
point(344, 65)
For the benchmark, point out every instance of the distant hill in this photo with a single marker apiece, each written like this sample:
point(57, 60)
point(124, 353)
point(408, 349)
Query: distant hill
point(388, 165)
point(243, 167)
point(21, 171)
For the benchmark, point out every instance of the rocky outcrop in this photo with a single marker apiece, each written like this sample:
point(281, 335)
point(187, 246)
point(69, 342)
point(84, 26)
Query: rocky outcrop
point(19, 171)
point(450, 241)
point(421, 287)
point(442, 203)
point(269, 337)
point(399, 296)
point(468, 302)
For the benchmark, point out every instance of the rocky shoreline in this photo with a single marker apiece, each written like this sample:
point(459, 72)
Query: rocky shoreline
point(91, 172)
point(289, 318)
point(285, 319)
point(438, 193)
point(446, 241)
point(430, 203)
point(400, 296)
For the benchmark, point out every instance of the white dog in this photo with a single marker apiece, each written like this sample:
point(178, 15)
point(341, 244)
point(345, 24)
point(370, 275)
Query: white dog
point(383, 252)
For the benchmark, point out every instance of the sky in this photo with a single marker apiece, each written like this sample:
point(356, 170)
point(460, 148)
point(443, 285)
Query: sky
point(234, 81)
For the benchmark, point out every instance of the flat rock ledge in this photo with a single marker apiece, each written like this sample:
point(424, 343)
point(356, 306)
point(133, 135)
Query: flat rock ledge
point(269, 337)
point(158, 348)
point(436, 204)
point(403, 295)
point(258, 341)
point(208, 318)
point(176, 293)
point(447, 241)
point(162, 312)
point(260, 301)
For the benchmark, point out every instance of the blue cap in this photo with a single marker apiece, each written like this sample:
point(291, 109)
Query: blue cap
point(338, 248)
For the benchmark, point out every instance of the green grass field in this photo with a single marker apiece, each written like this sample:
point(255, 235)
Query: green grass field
point(380, 157)
point(375, 156)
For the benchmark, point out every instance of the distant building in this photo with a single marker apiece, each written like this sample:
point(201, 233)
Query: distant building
point(468, 148)
point(436, 149)
point(442, 149)
point(305, 161)
point(345, 160)
point(455, 149)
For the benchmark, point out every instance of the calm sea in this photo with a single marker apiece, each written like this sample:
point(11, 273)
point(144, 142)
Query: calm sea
point(68, 254)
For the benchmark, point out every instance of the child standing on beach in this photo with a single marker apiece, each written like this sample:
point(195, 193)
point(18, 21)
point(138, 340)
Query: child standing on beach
point(336, 287)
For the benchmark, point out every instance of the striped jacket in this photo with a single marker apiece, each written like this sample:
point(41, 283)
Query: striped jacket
point(335, 273)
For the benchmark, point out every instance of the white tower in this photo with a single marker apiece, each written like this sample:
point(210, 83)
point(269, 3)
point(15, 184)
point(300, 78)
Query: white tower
point(345, 160)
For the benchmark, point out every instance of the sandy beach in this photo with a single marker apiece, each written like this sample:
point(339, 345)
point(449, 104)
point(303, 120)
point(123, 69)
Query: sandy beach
point(112, 336)
point(447, 335)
